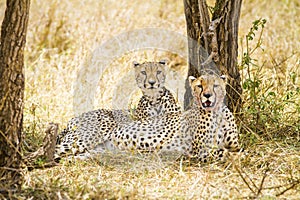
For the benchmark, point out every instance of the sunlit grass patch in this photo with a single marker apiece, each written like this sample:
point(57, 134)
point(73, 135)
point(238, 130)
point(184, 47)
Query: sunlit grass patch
point(265, 172)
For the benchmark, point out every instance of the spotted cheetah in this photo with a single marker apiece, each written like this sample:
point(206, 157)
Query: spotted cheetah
point(91, 128)
point(156, 100)
point(206, 131)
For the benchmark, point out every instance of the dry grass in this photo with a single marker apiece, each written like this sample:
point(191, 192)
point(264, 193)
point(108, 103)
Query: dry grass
point(156, 177)
point(62, 36)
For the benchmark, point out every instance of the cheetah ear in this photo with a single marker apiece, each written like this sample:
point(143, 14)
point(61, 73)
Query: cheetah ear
point(191, 79)
point(135, 64)
point(224, 78)
point(163, 62)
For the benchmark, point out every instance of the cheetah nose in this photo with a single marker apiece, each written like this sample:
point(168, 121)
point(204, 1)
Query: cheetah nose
point(151, 82)
point(207, 95)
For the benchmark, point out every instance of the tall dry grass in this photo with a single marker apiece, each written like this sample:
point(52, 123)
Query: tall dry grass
point(62, 37)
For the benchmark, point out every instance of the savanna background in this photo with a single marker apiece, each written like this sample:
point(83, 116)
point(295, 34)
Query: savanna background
point(61, 39)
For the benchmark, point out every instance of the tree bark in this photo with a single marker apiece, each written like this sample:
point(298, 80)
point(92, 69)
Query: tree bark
point(192, 16)
point(227, 36)
point(45, 152)
point(13, 38)
point(217, 44)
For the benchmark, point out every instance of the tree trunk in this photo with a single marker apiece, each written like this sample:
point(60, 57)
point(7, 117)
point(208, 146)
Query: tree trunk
point(192, 16)
point(217, 41)
point(13, 38)
point(227, 36)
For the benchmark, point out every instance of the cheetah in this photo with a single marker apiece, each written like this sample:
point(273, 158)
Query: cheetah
point(91, 128)
point(206, 131)
point(156, 100)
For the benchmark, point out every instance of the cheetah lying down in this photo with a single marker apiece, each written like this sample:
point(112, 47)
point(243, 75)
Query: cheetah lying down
point(207, 131)
point(92, 128)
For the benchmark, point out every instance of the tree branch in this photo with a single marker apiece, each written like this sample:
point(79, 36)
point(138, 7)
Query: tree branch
point(47, 150)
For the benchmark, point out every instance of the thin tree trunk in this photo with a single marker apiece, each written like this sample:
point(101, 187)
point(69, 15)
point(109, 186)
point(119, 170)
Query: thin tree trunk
point(192, 16)
point(217, 41)
point(13, 38)
point(227, 36)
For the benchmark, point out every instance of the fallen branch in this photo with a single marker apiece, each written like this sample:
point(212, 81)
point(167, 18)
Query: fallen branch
point(295, 183)
point(46, 152)
point(244, 179)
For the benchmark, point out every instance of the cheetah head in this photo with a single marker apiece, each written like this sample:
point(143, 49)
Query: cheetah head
point(150, 75)
point(208, 90)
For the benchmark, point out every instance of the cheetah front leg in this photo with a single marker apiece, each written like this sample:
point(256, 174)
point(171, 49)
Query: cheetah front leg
point(230, 136)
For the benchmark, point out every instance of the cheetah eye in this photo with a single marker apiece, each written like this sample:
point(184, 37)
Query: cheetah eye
point(143, 72)
point(215, 86)
point(200, 87)
point(158, 72)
